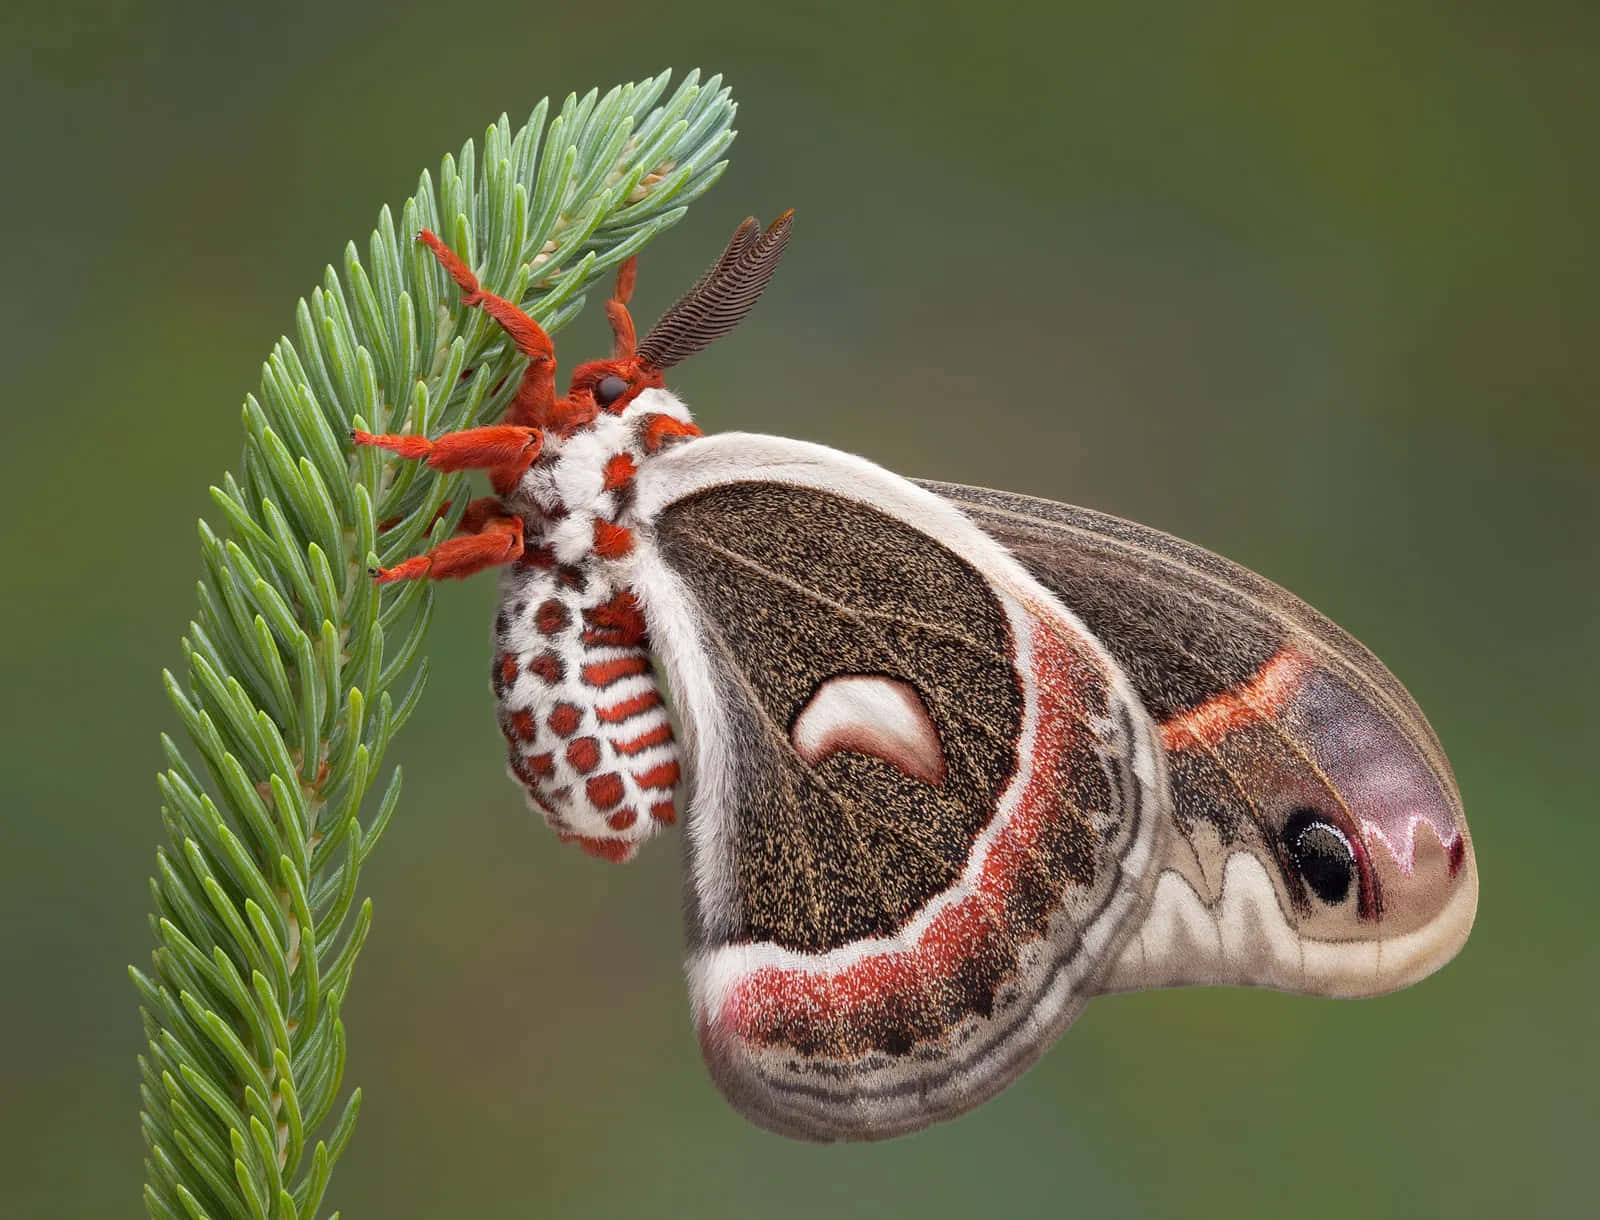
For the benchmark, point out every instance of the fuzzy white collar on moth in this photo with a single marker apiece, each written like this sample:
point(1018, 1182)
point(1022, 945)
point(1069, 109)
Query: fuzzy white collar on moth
point(657, 401)
point(567, 486)
point(577, 479)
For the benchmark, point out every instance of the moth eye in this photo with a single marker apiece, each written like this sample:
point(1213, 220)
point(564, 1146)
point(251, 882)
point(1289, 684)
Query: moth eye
point(1321, 854)
point(608, 389)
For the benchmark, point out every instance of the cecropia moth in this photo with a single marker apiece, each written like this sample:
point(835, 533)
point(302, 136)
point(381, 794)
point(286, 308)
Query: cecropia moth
point(957, 760)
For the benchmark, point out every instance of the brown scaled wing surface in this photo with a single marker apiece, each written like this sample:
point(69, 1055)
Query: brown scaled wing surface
point(1273, 719)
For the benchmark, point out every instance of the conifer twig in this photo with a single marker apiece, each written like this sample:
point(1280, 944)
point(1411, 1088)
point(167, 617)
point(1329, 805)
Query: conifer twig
point(299, 670)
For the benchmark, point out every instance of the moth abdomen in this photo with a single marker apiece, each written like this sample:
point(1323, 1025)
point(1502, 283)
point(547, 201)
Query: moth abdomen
point(585, 725)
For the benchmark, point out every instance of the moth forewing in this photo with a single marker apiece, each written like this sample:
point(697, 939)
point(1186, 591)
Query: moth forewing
point(878, 942)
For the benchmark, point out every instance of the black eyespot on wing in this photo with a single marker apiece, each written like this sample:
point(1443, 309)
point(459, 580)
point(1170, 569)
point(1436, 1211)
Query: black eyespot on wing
point(1321, 854)
point(608, 389)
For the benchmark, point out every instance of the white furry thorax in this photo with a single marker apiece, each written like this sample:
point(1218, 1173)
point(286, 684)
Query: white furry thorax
point(563, 493)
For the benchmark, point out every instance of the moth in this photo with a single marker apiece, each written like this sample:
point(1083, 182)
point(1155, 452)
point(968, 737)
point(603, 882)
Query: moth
point(959, 759)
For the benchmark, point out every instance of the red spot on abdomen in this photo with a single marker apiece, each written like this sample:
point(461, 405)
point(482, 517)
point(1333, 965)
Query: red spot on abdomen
point(584, 755)
point(604, 673)
point(564, 720)
point(663, 776)
point(628, 708)
point(617, 621)
point(529, 768)
point(604, 791)
point(548, 666)
point(550, 617)
point(614, 850)
point(657, 736)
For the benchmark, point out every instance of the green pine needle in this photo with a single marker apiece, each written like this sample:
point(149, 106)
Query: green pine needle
point(299, 669)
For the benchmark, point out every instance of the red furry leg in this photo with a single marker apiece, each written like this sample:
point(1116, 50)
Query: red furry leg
point(480, 514)
point(537, 392)
point(499, 541)
point(473, 449)
point(454, 267)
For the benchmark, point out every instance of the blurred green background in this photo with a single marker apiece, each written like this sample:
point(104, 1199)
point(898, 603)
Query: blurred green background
point(1317, 289)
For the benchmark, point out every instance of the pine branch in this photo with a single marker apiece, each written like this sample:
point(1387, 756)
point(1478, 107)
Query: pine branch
point(300, 670)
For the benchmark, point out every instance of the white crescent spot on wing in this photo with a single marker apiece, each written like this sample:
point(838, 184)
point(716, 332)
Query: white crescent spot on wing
point(872, 715)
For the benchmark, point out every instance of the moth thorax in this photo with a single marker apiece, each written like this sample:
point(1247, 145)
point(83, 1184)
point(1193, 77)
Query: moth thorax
point(584, 720)
point(577, 497)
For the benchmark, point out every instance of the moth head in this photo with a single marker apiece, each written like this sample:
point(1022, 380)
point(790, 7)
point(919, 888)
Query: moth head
point(716, 303)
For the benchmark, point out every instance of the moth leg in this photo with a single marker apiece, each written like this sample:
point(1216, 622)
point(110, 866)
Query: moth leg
point(480, 514)
point(537, 392)
point(496, 540)
point(472, 449)
point(624, 340)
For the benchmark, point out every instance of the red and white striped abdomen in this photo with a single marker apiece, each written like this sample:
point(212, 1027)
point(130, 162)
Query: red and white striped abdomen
point(584, 721)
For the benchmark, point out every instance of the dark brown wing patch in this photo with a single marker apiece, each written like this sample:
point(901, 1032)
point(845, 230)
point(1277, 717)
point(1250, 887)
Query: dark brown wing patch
point(798, 587)
point(1214, 602)
point(1182, 641)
